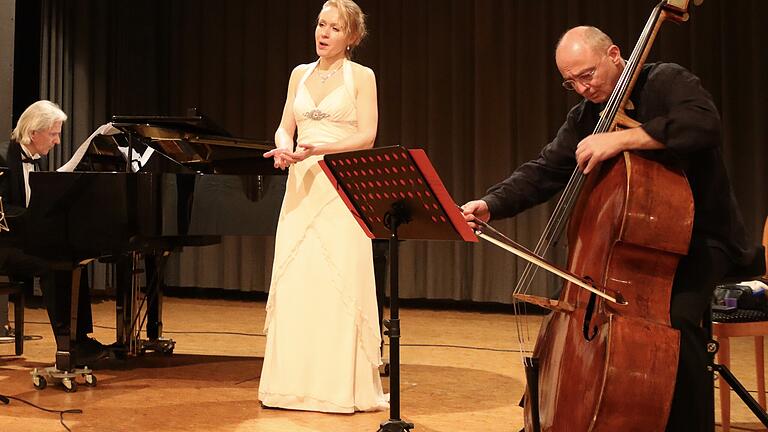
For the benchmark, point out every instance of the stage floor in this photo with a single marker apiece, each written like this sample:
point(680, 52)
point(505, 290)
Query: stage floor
point(461, 372)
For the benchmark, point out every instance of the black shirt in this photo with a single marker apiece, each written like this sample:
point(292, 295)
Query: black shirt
point(675, 110)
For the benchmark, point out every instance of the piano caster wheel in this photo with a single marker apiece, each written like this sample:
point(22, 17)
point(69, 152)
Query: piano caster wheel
point(39, 382)
point(67, 378)
point(70, 385)
point(90, 380)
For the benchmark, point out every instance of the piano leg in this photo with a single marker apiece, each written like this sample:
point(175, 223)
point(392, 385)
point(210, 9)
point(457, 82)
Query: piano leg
point(124, 301)
point(65, 357)
point(155, 269)
point(136, 308)
point(155, 265)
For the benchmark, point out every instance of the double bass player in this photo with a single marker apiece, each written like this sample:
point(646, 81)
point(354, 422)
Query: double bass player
point(679, 127)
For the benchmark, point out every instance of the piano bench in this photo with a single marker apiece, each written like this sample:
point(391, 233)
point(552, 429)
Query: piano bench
point(15, 292)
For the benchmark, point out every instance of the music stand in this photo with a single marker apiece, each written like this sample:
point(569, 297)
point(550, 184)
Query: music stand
point(395, 194)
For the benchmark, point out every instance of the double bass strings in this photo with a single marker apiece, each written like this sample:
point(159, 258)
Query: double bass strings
point(522, 326)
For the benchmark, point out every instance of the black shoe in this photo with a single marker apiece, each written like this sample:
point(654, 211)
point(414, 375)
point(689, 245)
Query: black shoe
point(88, 350)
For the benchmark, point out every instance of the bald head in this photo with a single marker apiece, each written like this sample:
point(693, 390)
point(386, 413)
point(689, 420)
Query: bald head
point(582, 40)
point(589, 62)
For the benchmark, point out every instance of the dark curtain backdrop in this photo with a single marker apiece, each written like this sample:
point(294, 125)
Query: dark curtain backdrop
point(472, 82)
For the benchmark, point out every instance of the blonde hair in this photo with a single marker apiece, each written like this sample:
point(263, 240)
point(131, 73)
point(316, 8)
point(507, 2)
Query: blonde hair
point(353, 20)
point(41, 115)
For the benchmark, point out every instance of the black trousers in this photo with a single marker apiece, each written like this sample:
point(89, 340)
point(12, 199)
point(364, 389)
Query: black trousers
point(56, 286)
point(696, 276)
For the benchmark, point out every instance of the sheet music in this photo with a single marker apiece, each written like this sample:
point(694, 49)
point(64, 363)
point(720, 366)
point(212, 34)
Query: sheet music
point(137, 161)
point(106, 129)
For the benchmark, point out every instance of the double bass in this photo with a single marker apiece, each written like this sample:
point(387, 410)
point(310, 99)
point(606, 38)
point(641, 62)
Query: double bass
point(606, 357)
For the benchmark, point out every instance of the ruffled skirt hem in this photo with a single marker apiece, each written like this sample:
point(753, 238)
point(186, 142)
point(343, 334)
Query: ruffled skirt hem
point(308, 403)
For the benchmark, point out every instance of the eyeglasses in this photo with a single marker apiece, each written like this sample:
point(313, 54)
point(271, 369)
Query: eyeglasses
point(584, 79)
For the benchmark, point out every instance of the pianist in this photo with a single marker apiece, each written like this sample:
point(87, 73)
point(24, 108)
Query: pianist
point(37, 132)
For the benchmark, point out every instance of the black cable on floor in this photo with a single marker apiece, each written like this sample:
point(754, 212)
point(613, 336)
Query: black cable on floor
point(171, 332)
point(217, 333)
point(60, 412)
point(11, 339)
point(468, 347)
point(211, 332)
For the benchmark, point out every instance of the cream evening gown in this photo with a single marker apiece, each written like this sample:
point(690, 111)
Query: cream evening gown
point(322, 349)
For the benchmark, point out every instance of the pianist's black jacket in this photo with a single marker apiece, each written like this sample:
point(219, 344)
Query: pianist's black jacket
point(12, 181)
point(11, 189)
point(675, 110)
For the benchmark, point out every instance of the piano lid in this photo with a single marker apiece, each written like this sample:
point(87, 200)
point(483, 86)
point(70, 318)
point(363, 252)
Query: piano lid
point(194, 121)
point(198, 143)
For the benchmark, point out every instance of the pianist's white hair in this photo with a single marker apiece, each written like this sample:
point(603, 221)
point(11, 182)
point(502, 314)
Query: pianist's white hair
point(41, 115)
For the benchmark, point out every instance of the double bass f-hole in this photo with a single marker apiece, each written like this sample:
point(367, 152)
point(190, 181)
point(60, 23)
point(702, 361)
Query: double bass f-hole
point(588, 315)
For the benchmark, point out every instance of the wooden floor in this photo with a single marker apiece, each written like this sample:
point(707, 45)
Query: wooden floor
point(461, 372)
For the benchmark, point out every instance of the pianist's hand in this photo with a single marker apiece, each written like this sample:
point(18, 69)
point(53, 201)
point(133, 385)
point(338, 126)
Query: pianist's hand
point(283, 157)
point(477, 209)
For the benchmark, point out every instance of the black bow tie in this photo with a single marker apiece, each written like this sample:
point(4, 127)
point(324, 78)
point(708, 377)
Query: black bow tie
point(29, 160)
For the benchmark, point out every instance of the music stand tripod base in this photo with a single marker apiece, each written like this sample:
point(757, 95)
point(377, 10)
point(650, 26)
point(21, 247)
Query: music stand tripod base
point(395, 426)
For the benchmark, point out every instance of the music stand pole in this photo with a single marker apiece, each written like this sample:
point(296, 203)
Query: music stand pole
point(397, 215)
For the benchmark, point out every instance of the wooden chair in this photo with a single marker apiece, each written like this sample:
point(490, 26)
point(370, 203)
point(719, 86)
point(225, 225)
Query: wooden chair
point(15, 292)
point(723, 332)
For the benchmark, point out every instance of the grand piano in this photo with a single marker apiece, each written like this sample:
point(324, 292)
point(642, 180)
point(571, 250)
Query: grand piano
point(199, 184)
